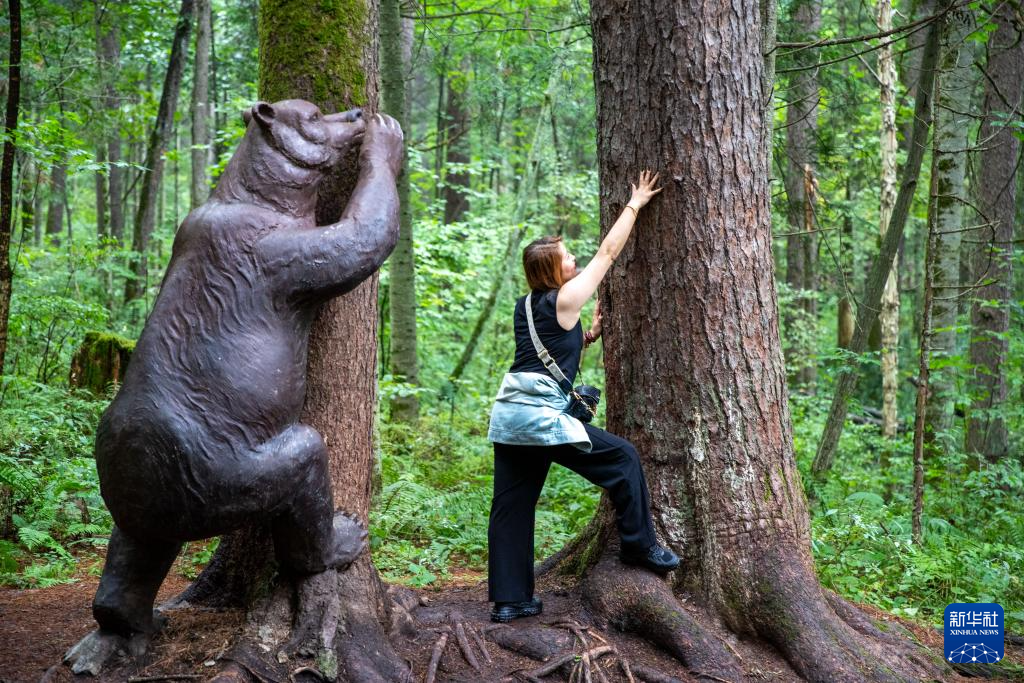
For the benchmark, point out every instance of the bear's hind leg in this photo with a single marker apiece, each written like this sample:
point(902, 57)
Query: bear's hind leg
point(131, 578)
point(309, 536)
point(123, 606)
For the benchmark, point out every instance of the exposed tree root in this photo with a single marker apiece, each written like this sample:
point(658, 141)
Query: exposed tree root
point(821, 635)
point(828, 640)
point(642, 603)
point(648, 675)
point(239, 571)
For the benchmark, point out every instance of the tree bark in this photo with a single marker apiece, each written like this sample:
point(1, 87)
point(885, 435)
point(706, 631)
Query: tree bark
point(954, 85)
point(889, 315)
point(867, 311)
point(152, 175)
point(694, 367)
point(456, 181)
point(199, 187)
point(7, 171)
point(992, 247)
point(403, 362)
point(801, 154)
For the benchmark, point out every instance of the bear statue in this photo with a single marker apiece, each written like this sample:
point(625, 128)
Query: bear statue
point(204, 435)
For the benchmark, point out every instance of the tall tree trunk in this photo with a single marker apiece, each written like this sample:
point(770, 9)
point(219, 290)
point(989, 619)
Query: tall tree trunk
point(695, 374)
point(199, 188)
point(403, 363)
point(327, 53)
point(801, 153)
point(889, 315)
point(110, 48)
point(845, 322)
point(145, 213)
point(871, 300)
point(29, 177)
point(7, 171)
point(909, 67)
point(440, 123)
point(456, 182)
point(954, 84)
point(101, 194)
point(55, 205)
point(921, 407)
point(992, 247)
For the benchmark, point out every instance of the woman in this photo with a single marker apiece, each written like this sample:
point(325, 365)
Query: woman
point(530, 428)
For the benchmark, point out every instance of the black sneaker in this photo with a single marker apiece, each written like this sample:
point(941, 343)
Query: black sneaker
point(658, 559)
point(504, 612)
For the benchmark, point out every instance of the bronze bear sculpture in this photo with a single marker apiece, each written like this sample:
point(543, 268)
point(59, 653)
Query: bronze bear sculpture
point(204, 435)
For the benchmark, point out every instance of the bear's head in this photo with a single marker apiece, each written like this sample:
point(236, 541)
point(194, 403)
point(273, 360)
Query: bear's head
point(302, 135)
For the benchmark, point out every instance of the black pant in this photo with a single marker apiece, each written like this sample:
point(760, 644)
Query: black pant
point(519, 474)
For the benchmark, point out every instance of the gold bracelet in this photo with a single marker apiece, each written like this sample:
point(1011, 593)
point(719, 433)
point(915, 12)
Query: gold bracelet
point(635, 214)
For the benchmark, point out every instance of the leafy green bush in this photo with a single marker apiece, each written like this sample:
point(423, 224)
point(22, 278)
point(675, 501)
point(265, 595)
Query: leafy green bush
point(46, 466)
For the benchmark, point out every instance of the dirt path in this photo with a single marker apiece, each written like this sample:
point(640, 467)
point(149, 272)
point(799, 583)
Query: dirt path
point(37, 626)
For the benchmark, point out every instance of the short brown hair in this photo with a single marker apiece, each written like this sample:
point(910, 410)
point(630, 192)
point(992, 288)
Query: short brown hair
point(542, 262)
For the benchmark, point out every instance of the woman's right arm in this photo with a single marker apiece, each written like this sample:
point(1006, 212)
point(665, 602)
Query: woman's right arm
point(576, 292)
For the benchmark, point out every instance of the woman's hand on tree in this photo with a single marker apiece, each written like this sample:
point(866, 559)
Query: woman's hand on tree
point(644, 189)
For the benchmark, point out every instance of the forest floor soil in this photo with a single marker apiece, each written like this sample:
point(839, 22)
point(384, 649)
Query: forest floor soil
point(38, 625)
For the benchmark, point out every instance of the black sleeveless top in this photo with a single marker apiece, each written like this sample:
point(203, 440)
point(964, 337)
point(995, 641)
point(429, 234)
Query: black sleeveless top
point(565, 346)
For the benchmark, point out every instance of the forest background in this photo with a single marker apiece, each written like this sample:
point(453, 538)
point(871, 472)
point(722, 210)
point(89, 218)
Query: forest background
point(130, 110)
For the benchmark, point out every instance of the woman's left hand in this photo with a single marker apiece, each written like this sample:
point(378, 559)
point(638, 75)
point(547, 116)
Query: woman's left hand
point(595, 324)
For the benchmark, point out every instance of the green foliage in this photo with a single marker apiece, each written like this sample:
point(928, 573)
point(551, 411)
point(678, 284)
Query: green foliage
point(53, 500)
point(431, 512)
point(973, 524)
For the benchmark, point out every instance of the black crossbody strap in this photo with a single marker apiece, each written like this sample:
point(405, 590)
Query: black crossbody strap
point(542, 352)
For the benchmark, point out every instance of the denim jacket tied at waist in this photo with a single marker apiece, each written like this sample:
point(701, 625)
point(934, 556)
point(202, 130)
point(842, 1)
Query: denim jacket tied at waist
point(530, 411)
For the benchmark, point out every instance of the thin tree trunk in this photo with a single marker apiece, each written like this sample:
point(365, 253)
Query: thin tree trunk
point(867, 311)
point(845, 322)
point(889, 315)
point(924, 361)
point(108, 48)
point(55, 206)
point(29, 191)
point(199, 187)
point(456, 182)
point(440, 124)
point(954, 85)
point(694, 367)
point(159, 137)
point(801, 153)
point(992, 248)
point(101, 194)
point(402, 300)
point(7, 171)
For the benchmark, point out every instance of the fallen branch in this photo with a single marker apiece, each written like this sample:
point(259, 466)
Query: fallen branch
point(435, 658)
point(559, 662)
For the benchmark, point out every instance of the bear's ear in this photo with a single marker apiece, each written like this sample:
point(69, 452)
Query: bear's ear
point(262, 112)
